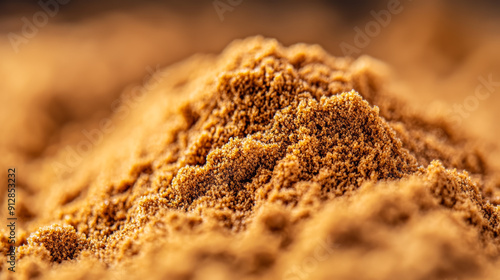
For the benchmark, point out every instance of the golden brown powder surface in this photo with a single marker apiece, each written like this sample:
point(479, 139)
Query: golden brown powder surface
point(266, 162)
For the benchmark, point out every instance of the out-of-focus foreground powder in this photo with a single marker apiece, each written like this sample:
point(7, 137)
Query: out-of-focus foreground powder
point(267, 162)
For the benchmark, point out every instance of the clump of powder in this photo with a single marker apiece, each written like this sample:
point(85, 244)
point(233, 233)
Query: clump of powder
point(61, 241)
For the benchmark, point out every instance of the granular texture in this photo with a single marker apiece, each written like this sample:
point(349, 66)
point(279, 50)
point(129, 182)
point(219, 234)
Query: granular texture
point(265, 162)
point(62, 242)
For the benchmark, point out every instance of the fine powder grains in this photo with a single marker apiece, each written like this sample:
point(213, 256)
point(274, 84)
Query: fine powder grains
point(267, 162)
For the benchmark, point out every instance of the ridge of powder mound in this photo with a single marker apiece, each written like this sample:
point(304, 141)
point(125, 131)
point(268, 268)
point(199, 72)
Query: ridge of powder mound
point(263, 126)
point(338, 142)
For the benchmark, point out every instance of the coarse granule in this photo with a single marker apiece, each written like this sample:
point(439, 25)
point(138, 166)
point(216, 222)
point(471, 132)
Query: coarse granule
point(269, 162)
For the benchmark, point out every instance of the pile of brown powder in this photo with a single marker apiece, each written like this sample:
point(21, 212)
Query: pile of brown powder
point(266, 162)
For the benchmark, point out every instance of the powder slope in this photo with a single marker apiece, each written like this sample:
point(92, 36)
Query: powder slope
point(337, 142)
point(253, 163)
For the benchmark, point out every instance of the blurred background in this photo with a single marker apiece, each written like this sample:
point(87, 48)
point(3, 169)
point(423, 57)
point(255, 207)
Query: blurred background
point(63, 63)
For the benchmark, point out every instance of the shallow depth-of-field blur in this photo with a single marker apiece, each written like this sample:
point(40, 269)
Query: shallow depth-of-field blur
point(64, 65)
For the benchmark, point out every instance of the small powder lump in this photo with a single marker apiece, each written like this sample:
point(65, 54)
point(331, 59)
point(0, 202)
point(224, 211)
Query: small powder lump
point(268, 162)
